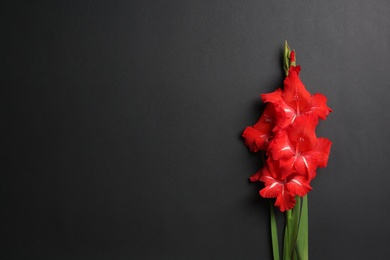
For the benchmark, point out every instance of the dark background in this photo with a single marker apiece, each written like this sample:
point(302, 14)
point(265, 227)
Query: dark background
point(121, 123)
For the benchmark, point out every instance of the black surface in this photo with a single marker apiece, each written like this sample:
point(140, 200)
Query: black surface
point(121, 122)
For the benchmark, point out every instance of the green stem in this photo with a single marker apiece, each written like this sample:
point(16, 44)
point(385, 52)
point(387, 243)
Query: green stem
point(287, 242)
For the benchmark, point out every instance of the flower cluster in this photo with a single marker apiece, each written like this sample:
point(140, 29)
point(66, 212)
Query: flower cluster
point(286, 132)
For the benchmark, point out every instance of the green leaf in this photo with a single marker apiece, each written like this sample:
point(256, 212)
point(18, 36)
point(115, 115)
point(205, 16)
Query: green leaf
point(286, 58)
point(296, 214)
point(287, 243)
point(302, 244)
point(274, 233)
point(291, 231)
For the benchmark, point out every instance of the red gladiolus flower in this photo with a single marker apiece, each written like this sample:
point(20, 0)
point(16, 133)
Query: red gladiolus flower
point(258, 136)
point(298, 149)
point(283, 189)
point(295, 100)
point(286, 132)
point(306, 163)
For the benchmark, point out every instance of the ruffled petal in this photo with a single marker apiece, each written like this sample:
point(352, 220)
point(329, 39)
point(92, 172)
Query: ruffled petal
point(257, 137)
point(318, 106)
point(285, 115)
point(287, 167)
point(267, 119)
point(256, 177)
point(270, 171)
point(302, 133)
point(280, 147)
point(253, 138)
point(298, 185)
point(272, 191)
point(273, 187)
point(323, 150)
point(272, 97)
point(306, 164)
point(297, 69)
point(285, 201)
point(295, 93)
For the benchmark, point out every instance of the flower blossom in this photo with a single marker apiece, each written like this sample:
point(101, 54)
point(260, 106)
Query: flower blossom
point(298, 149)
point(295, 100)
point(283, 189)
point(286, 132)
point(258, 136)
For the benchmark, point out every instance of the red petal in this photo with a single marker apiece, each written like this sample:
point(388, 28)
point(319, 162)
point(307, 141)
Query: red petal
point(272, 97)
point(287, 166)
point(306, 164)
point(276, 169)
point(272, 191)
point(280, 147)
point(267, 120)
point(255, 139)
point(318, 106)
point(250, 135)
point(323, 150)
point(312, 175)
point(273, 187)
point(302, 133)
point(297, 69)
point(256, 177)
point(285, 115)
point(285, 201)
point(295, 93)
point(298, 185)
point(258, 137)
point(270, 172)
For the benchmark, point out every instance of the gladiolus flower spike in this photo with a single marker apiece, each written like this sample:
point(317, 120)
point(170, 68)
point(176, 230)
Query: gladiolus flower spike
point(285, 133)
